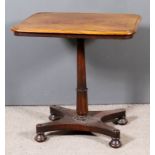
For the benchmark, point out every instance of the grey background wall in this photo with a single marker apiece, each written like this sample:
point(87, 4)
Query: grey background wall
point(42, 71)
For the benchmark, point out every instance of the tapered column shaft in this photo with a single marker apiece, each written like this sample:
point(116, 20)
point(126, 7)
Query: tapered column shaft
point(82, 101)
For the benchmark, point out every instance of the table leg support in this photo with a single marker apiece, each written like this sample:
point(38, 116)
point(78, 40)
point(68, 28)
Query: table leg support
point(95, 121)
point(82, 99)
point(81, 119)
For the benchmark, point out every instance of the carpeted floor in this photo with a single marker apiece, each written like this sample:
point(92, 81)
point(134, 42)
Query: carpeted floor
point(20, 131)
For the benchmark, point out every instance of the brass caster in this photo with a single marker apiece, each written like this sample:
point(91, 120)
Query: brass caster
point(40, 137)
point(121, 121)
point(53, 117)
point(115, 143)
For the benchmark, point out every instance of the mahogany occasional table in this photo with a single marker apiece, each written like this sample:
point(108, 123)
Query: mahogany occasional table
point(80, 26)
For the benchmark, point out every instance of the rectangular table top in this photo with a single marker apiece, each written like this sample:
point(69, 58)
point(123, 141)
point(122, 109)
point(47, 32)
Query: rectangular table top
point(83, 25)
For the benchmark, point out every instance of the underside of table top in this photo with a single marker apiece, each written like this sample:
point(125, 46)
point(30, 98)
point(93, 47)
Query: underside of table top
point(78, 25)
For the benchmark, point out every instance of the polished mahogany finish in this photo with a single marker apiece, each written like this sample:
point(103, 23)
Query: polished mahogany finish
point(82, 101)
point(94, 121)
point(80, 26)
point(82, 119)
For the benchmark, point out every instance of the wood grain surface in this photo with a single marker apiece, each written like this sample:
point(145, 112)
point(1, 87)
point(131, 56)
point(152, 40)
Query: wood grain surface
point(103, 24)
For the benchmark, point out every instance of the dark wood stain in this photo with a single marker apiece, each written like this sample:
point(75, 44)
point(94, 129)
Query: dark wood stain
point(80, 26)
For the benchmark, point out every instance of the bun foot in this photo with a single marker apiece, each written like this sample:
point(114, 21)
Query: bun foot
point(40, 137)
point(121, 121)
point(115, 143)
